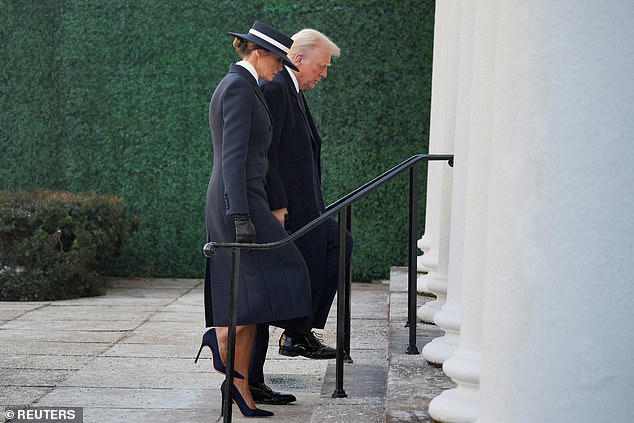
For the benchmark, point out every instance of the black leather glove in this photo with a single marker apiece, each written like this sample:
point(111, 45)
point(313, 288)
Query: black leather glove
point(245, 230)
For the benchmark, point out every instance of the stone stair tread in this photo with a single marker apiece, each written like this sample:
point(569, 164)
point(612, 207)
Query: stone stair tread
point(397, 389)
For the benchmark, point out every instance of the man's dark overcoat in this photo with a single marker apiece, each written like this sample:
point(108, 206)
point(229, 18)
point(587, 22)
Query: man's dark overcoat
point(274, 284)
point(294, 182)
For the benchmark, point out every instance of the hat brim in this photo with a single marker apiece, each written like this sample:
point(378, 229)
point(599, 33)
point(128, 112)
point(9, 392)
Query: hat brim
point(268, 47)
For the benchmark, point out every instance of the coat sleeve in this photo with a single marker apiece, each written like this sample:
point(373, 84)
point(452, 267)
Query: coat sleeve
point(236, 127)
point(278, 105)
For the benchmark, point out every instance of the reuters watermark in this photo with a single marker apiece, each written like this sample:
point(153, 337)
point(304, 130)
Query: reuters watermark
point(17, 414)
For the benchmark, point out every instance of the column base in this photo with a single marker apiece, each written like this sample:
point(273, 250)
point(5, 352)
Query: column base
point(441, 349)
point(420, 267)
point(458, 405)
point(428, 260)
point(437, 285)
point(427, 311)
point(421, 285)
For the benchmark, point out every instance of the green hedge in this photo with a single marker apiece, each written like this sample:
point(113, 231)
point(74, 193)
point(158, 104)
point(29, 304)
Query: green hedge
point(111, 96)
point(53, 245)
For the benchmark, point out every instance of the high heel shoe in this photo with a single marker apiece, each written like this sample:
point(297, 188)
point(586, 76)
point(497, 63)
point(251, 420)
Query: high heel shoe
point(246, 411)
point(210, 340)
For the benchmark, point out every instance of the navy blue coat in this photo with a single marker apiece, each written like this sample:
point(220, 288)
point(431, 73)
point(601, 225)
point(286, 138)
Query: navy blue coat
point(274, 284)
point(294, 179)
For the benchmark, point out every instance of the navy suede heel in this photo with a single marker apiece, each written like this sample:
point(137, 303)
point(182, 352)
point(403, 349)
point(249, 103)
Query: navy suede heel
point(210, 340)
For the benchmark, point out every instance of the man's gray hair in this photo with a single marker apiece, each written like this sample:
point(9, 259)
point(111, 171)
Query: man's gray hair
point(308, 39)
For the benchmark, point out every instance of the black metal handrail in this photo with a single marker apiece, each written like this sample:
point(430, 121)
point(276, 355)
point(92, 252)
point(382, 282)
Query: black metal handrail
point(343, 206)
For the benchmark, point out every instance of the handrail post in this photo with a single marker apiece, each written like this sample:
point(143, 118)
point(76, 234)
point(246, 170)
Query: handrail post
point(231, 335)
point(341, 306)
point(347, 331)
point(411, 265)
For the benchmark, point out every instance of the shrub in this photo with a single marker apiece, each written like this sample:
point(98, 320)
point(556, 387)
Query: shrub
point(55, 245)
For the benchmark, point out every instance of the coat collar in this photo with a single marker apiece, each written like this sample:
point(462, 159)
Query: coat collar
point(252, 82)
point(286, 77)
point(293, 78)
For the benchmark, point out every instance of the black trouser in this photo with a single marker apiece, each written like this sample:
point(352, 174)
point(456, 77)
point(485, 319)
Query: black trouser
point(328, 290)
point(258, 355)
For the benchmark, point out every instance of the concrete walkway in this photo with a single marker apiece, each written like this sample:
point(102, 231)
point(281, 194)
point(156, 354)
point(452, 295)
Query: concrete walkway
point(128, 357)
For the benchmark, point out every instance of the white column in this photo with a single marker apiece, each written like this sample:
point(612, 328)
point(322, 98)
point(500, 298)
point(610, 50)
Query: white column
point(557, 324)
point(448, 318)
point(428, 261)
point(441, 133)
point(461, 404)
point(441, 126)
point(428, 244)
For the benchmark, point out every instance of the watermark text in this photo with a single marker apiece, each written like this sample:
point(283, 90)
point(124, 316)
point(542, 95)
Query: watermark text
point(19, 414)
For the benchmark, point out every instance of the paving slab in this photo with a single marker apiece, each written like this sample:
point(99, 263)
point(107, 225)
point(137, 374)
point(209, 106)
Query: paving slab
point(123, 349)
point(169, 314)
point(148, 398)
point(191, 338)
point(129, 366)
point(134, 302)
point(71, 325)
point(35, 377)
point(8, 337)
point(129, 415)
point(343, 411)
point(12, 310)
point(43, 362)
point(152, 283)
point(87, 312)
point(145, 292)
point(48, 348)
point(161, 379)
point(128, 356)
point(22, 395)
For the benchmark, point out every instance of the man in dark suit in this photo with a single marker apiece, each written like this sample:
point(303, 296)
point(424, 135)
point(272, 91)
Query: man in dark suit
point(295, 196)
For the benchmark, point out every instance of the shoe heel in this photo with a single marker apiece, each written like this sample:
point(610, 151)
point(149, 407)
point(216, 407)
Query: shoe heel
point(287, 353)
point(198, 355)
point(210, 340)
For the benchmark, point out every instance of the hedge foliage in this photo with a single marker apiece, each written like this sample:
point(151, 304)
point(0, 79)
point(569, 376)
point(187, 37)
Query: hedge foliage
point(112, 96)
point(53, 245)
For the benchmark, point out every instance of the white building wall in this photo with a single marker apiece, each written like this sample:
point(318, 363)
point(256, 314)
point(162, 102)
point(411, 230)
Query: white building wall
point(547, 266)
point(557, 317)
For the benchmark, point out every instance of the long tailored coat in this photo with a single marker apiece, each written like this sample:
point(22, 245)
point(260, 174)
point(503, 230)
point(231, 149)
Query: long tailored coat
point(273, 285)
point(295, 164)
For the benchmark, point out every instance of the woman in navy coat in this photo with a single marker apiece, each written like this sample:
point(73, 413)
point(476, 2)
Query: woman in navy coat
point(273, 285)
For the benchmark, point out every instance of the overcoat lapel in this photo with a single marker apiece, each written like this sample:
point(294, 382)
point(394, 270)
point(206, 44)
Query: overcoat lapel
point(253, 83)
point(303, 110)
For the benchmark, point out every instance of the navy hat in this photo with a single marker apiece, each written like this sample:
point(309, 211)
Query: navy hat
point(269, 39)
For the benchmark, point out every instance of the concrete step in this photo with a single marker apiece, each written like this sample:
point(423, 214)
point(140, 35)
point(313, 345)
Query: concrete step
point(412, 382)
point(384, 383)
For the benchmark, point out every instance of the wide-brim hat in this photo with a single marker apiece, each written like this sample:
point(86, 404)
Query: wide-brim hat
point(269, 39)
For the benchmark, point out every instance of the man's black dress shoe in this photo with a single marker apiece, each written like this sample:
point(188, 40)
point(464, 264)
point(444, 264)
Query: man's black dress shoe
point(308, 346)
point(262, 394)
